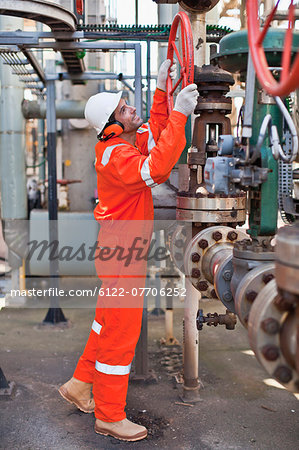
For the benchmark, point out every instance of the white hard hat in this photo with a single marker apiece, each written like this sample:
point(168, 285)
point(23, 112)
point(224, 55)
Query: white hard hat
point(99, 108)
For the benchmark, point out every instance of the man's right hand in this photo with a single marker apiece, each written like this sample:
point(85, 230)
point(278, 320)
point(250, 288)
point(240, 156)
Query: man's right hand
point(187, 100)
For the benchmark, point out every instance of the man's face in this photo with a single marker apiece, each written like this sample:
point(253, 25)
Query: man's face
point(126, 114)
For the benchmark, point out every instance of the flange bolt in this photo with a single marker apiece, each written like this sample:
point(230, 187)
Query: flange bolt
point(202, 286)
point(283, 374)
point(203, 243)
point(195, 273)
point(195, 257)
point(270, 352)
point(251, 296)
point(268, 277)
point(179, 243)
point(232, 236)
point(227, 296)
point(270, 326)
point(227, 275)
point(217, 236)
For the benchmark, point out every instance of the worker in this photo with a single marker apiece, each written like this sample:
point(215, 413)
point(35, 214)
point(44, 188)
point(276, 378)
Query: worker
point(131, 158)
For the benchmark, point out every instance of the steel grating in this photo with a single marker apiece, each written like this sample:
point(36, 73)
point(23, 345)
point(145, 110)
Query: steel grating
point(28, 71)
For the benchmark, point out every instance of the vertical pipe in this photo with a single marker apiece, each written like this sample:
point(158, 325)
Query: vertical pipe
point(138, 80)
point(51, 138)
point(54, 314)
point(191, 381)
point(148, 78)
point(191, 339)
point(136, 12)
point(12, 160)
point(41, 127)
point(141, 354)
point(12, 144)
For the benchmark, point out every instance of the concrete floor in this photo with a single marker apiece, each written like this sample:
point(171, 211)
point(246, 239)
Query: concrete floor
point(237, 409)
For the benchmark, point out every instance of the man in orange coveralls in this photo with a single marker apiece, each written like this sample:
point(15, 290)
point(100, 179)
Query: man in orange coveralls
point(131, 158)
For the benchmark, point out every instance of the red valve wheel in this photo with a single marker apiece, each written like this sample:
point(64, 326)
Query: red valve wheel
point(80, 7)
point(289, 80)
point(186, 61)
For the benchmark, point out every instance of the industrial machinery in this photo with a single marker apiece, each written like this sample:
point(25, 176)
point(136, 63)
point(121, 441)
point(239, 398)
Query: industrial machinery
point(230, 176)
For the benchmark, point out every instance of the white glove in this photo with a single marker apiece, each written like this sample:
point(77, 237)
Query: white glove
point(187, 100)
point(163, 73)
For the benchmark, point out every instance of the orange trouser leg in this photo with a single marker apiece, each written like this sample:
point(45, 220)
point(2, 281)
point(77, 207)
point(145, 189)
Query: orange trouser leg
point(86, 365)
point(117, 342)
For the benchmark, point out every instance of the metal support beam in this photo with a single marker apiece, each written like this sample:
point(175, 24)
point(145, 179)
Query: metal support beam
point(35, 65)
point(54, 314)
point(138, 80)
point(148, 78)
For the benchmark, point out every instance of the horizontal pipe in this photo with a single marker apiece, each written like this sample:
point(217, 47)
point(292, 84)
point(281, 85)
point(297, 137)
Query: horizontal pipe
point(65, 109)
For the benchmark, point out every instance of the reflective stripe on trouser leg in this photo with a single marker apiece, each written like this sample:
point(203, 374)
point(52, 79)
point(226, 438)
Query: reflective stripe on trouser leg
point(85, 366)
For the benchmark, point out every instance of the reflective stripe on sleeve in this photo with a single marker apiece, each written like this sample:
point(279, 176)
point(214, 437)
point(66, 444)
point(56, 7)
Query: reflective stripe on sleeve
point(142, 130)
point(96, 327)
point(112, 370)
point(151, 141)
point(107, 153)
point(145, 174)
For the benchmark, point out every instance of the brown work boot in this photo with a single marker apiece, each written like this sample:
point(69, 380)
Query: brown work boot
point(125, 430)
point(77, 392)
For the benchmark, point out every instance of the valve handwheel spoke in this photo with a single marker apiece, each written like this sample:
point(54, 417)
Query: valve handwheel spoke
point(289, 80)
point(185, 57)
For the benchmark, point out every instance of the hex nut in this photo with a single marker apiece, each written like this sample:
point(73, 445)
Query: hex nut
point(202, 285)
point(227, 275)
point(227, 296)
point(179, 243)
point(203, 243)
point(217, 236)
point(178, 256)
point(270, 352)
point(214, 294)
point(232, 235)
point(195, 257)
point(283, 374)
point(251, 296)
point(270, 326)
point(268, 277)
point(195, 273)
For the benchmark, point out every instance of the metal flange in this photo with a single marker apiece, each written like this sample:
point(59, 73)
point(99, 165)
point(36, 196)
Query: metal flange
point(249, 288)
point(177, 239)
point(202, 253)
point(265, 329)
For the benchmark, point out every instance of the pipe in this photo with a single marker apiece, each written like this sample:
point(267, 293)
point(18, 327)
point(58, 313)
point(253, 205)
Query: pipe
point(65, 109)
point(12, 162)
point(191, 381)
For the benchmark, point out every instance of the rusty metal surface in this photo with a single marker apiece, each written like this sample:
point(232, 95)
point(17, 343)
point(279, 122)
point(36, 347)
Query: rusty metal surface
point(248, 289)
point(267, 346)
point(207, 248)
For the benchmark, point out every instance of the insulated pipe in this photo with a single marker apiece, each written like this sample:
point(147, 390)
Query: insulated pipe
point(65, 109)
point(12, 162)
point(12, 141)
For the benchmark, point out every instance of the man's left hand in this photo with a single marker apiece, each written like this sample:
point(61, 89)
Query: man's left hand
point(163, 73)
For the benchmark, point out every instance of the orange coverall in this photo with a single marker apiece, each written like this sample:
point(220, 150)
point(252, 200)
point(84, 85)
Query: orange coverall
point(125, 176)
